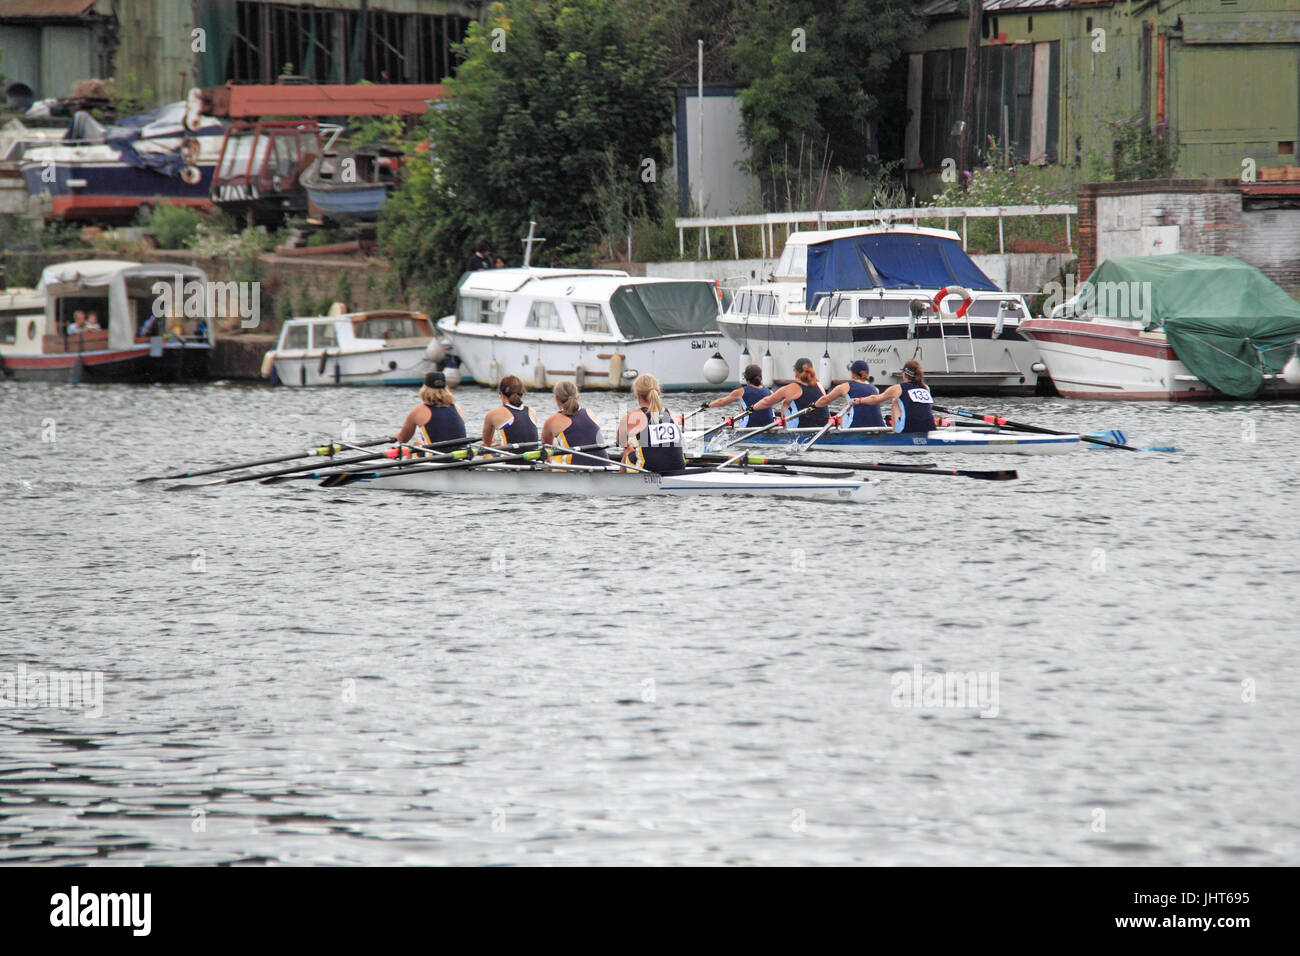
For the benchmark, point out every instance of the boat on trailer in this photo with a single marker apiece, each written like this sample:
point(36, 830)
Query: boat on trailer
point(611, 482)
point(965, 441)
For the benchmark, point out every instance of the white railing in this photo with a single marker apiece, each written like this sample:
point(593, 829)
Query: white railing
point(770, 220)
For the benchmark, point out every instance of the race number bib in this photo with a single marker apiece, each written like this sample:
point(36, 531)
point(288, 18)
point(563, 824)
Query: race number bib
point(664, 433)
point(920, 396)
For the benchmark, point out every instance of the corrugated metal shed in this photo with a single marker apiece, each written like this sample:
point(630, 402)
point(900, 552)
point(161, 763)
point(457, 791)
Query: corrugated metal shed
point(943, 8)
point(44, 9)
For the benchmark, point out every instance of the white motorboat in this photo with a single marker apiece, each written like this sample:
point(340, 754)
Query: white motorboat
point(605, 483)
point(884, 295)
point(597, 328)
point(355, 348)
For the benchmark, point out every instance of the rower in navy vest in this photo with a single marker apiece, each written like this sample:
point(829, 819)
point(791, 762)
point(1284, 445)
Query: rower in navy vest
point(649, 436)
point(437, 417)
point(857, 388)
point(804, 391)
point(572, 427)
point(749, 395)
point(912, 401)
point(511, 423)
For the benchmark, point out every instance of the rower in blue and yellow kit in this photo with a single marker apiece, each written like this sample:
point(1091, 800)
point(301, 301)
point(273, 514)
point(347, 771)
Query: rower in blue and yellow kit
point(572, 427)
point(510, 423)
point(437, 418)
point(804, 391)
point(650, 438)
point(912, 401)
point(749, 395)
point(857, 388)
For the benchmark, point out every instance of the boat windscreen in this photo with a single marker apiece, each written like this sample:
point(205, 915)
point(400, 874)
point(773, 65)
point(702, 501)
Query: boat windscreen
point(891, 260)
point(401, 327)
point(646, 310)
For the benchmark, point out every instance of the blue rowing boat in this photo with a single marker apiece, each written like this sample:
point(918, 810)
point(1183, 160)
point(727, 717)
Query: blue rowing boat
point(964, 441)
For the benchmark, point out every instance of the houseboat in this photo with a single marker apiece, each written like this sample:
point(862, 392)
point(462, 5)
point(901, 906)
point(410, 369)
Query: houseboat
point(1174, 328)
point(884, 295)
point(597, 328)
point(101, 320)
point(355, 348)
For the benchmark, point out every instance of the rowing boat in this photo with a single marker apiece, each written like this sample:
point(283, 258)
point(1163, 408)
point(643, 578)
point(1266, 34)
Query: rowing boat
point(960, 440)
point(610, 482)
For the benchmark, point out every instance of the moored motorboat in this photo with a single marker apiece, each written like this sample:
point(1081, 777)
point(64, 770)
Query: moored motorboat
point(382, 347)
point(965, 441)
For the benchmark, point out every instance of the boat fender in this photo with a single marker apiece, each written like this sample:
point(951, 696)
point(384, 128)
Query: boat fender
point(324, 360)
point(539, 376)
point(453, 376)
point(302, 373)
point(616, 370)
point(191, 175)
point(1291, 370)
point(494, 373)
point(769, 370)
point(746, 360)
point(268, 363)
point(579, 375)
point(967, 298)
point(716, 369)
point(435, 351)
point(824, 371)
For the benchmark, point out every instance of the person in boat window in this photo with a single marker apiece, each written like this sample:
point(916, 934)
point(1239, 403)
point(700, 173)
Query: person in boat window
point(649, 436)
point(511, 423)
point(78, 323)
point(437, 417)
point(479, 260)
point(857, 388)
point(572, 427)
point(749, 395)
point(500, 263)
point(801, 393)
point(92, 323)
point(147, 329)
point(912, 401)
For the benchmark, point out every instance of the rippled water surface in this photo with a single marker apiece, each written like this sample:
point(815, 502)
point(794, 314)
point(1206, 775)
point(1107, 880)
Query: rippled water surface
point(352, 676)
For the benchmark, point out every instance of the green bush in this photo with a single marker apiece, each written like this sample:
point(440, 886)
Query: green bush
point(174, 227)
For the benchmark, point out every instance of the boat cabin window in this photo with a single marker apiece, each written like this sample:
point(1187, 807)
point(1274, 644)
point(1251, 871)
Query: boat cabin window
point(471, 308)
point(740, 304)
point(545, 317)
point(843, 307)
point(793, 262)
point(390, 327)
point(883, 308)
point(234, 161)
point(69, 306)
point(295, 337)
point(324, 337)
point(988, 309)
point(592, 317)
point(8, 328)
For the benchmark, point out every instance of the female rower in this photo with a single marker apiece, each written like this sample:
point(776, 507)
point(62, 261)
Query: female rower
point(748, 395)
point(802, 393)
point(438, 417)
point(859, 387)
point(912, 401)
point(649, 436)
point(512, 423)
point(572, 427)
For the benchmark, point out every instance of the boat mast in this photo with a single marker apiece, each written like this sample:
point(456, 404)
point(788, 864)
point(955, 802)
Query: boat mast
point(529, 242)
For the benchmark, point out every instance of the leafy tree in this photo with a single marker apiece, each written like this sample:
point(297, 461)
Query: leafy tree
point(830, 96)
point(551, 95)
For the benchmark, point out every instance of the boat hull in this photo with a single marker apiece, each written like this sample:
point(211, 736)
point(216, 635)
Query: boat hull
point(954, 440)
point(88, 189)
point(111, 365)
point(395, 366)
point(1001, 364)
point(1097, 360)
point(505, 480)
point(677, 361)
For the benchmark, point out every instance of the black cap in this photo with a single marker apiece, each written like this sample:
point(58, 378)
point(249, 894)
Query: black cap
point(435, 380)
point(859, 366)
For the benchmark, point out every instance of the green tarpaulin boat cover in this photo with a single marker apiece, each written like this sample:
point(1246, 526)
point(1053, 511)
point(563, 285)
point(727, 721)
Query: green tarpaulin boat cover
point(644, 311)
point(1228, 322)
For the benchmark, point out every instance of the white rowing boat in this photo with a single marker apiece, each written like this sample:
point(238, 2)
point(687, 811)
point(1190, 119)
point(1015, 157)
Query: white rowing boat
point(607, 483)
point(961, 440)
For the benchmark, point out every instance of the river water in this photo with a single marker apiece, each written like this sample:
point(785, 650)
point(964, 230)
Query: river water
point(296, 675)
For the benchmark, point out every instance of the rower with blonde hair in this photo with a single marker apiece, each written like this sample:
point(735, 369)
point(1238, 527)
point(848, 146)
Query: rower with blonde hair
point(649, 436)
point(437, 418)
point(511, 422)
point(572, 427)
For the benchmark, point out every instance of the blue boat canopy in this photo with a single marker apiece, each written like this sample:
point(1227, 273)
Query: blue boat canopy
point(891, 260)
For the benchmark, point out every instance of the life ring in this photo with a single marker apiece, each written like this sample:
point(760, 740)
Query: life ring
point(191, 175)
point(946, 291)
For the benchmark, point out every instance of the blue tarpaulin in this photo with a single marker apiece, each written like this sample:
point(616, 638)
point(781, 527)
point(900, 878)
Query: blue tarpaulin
point(894, 260)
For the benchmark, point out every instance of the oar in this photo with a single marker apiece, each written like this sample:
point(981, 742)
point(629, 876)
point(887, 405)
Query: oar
point(777, 421)
point(464, 454)
point(726, 422)
point(404, 462)
point(321, 451)
point(831, 420)
point(1007, 474)
point(685, 418)
point(346, 478)
point(1020, 426)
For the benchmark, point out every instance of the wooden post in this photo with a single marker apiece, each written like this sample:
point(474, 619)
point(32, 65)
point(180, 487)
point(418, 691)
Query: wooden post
point(968, 85)
point(1000, 248)
point(1069, 244)
point(735, 241)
